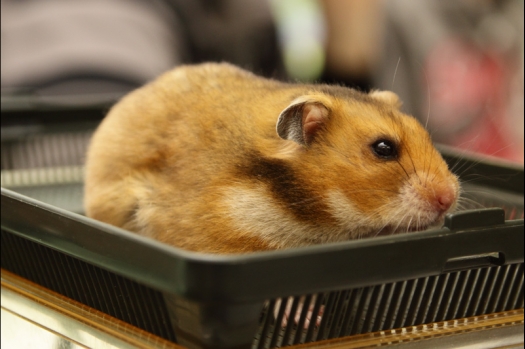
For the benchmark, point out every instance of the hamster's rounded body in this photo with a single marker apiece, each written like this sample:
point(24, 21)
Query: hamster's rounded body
point(212, 158)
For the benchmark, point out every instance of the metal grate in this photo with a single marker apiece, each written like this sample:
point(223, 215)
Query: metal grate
point(102, 290)
point(408, 303)
point(47, 167)
point(45, 150)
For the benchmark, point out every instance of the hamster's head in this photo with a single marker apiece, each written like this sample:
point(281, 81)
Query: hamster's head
point(374, 167)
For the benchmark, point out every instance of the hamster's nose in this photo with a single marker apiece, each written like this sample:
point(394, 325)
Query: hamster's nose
point(443, 199)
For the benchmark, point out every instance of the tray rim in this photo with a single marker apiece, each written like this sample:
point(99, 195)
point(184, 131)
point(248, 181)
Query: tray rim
point(237, 278)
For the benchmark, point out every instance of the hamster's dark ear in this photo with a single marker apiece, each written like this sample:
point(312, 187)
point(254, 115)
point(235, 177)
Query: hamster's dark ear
point(301, 120)
point(387, 97)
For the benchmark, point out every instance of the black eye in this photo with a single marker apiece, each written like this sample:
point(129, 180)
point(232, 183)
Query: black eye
point(385, 149)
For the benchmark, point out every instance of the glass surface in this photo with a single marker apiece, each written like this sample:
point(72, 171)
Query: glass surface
point(34, 317)
point(21, 333)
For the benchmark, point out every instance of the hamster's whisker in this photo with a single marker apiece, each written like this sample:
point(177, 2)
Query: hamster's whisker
point(433, 180)
point(380, 229)
point(466, 201)
point(428, 97)
point(394, 217)
point(395, 73)
point(393, 171)
point(477, 191)
point(434, 177)
point(460, 206)
point(500, 127)
point(462, 169)
point(413, 166)
point(461, 156)
point(474, 177)
point(425, 152)
point(403, 169)
point(408, 225)
point(383, 227)
point(502, 148)
point(429, 168)
point(460, 145)
point(458, 161)
point(382, 211)
point(401, 221)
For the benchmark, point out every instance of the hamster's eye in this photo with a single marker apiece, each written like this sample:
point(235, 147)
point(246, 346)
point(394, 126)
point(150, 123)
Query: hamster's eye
point(385, 149)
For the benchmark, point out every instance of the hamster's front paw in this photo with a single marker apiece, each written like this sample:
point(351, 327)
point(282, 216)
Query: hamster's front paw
point(309, 318)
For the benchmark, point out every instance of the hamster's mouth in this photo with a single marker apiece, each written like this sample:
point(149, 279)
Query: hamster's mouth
point(391, 230)
point(417, 228)
point(394, 228)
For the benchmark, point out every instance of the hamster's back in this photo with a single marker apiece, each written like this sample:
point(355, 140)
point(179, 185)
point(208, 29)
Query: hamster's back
point(174, 141)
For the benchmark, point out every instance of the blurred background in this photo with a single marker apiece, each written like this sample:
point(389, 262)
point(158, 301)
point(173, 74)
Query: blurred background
point(456, 64)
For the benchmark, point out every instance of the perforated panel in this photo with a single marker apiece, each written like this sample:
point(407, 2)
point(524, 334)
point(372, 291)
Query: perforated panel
point(408, 303)
point(119, 297)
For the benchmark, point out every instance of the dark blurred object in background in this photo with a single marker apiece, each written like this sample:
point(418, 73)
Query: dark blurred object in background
point(354, 35)
point(101, 46)
point(237, 31)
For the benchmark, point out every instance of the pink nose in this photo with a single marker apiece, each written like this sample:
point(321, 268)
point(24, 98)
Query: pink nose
point(444, 199)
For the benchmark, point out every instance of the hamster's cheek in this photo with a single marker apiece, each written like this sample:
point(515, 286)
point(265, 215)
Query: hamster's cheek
point(424, 201)
point(348, 215)
point(254, 212)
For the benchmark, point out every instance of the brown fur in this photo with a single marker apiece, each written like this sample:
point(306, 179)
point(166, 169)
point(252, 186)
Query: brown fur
point(163, 160)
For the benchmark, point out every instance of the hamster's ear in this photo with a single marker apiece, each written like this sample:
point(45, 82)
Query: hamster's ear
point(301, 120)
point(387, 97)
